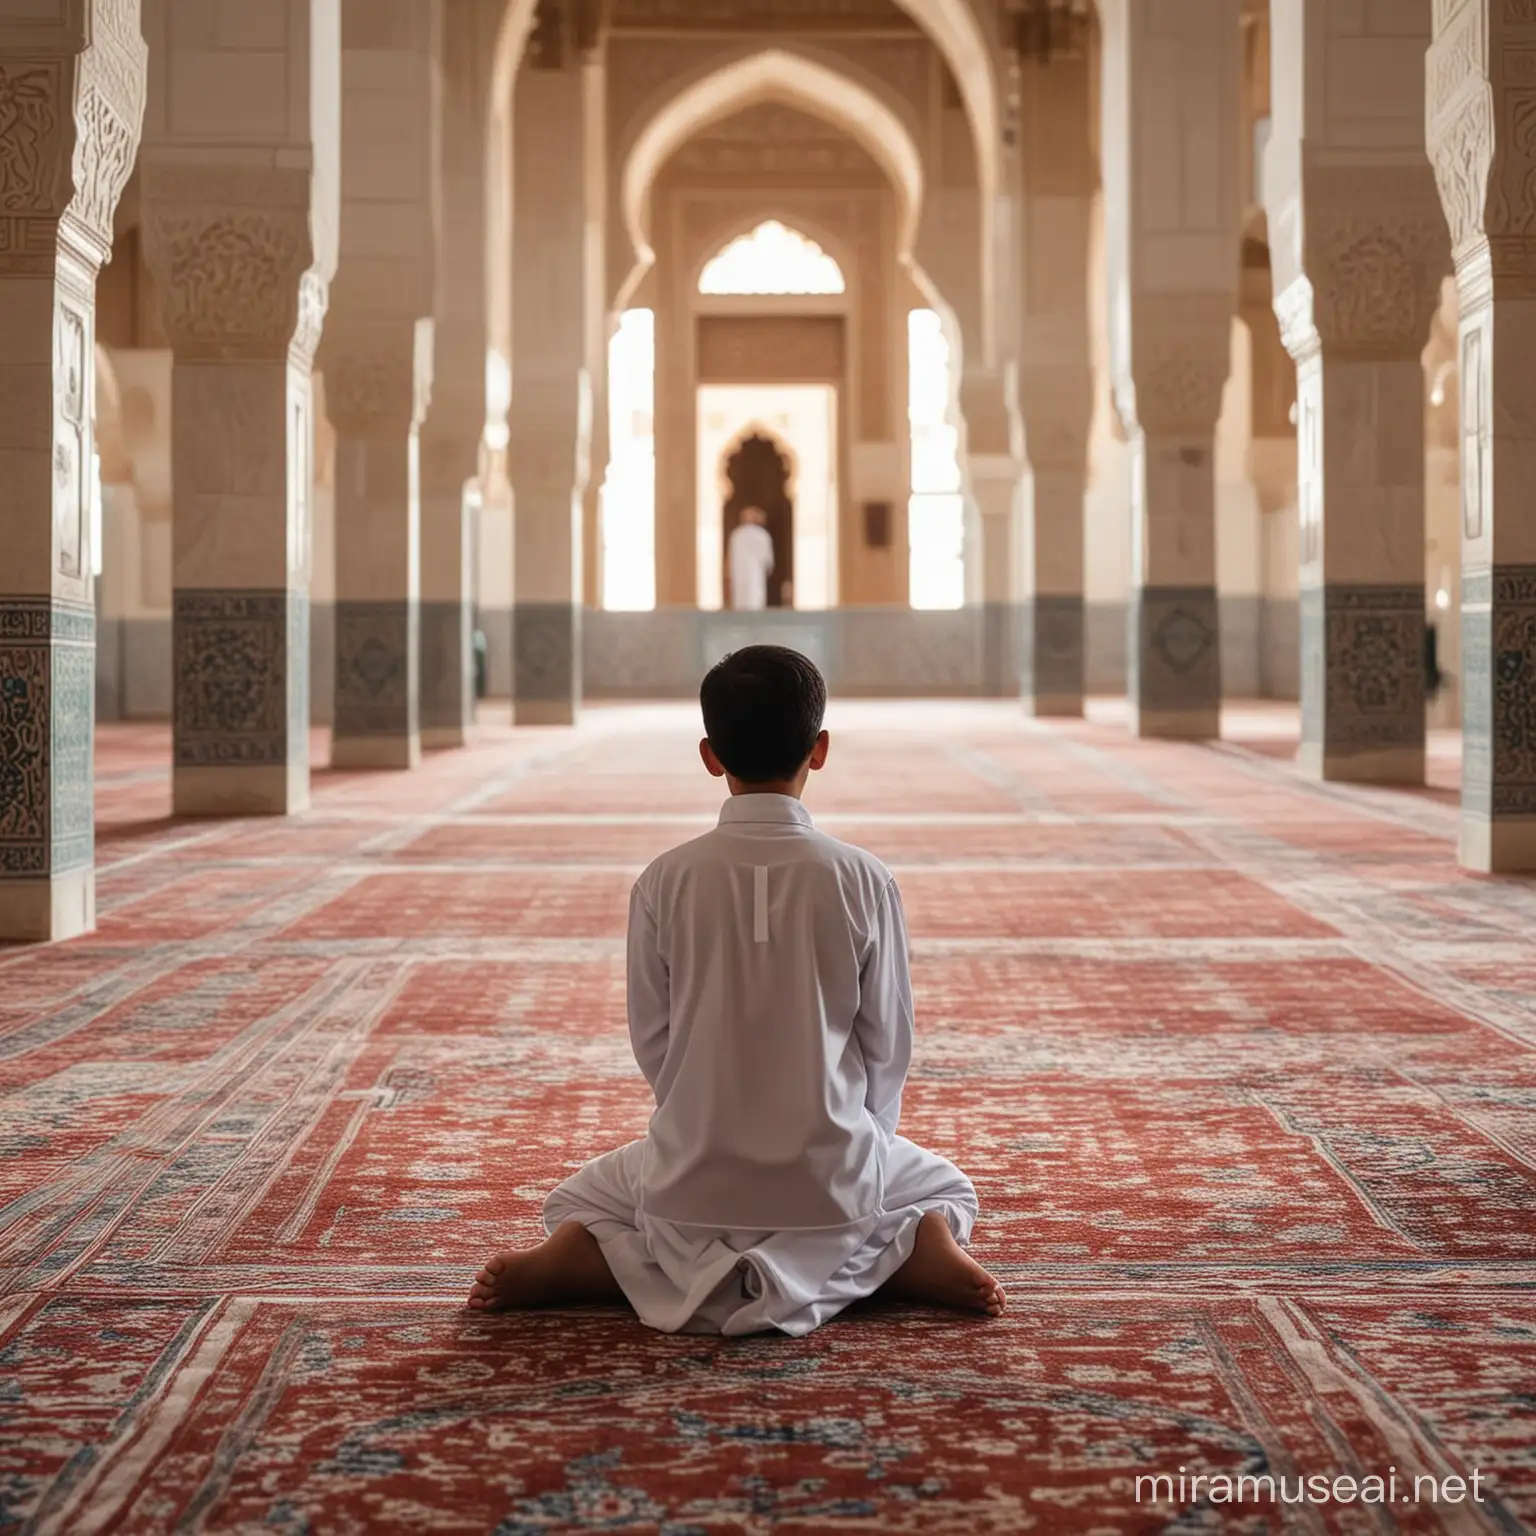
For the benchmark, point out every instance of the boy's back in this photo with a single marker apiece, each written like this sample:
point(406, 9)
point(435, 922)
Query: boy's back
point(771, 1012)
point(770, 1008)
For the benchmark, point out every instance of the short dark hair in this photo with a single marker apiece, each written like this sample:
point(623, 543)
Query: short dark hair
point(763, 707)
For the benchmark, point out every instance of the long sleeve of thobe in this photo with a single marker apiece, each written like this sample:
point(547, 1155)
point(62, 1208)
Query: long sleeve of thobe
point(649, 990)
point(883, 1026)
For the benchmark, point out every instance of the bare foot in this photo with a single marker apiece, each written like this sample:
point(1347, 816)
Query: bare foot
point(940, 1273)
point(567, 1268)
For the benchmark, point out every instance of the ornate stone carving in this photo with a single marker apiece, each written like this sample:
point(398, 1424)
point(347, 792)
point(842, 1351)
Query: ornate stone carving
point(72, 737)
point(1179, 380)
point(375, 645)
point(35, 140)
point(235, 282)
point(232, 672)
point(1513, 683)
point(104, 155)
point(773, 139)
point(47, 682)
point(1461, 150)
point(1375, 250)
point(375, 379)
point(69, 129)
point(1293, 311)
point(1371, 671)
point(46, 710)
point(1176, 649)
point(25, 633)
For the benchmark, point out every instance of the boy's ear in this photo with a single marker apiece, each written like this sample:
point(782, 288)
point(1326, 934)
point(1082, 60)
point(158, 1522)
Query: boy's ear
point(820, 750)
point(711, 762)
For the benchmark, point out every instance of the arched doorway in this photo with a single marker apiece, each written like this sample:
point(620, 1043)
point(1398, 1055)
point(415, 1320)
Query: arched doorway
point(757, 474)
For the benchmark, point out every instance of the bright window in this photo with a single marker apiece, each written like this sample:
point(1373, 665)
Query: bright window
point(936, 512)
point(628, 500)
point(772, 259)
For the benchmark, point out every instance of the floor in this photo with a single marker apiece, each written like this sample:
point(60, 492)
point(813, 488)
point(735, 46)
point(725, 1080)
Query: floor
point(1244, 1069)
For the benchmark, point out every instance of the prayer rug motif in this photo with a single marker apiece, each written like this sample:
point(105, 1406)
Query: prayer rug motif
point(1244, 1069)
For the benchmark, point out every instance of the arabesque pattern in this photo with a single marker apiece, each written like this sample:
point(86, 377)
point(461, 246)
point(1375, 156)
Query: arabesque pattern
point(1244, 1068)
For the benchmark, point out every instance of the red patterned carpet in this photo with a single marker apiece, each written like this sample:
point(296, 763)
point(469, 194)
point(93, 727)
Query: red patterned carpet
point(1244, 1069)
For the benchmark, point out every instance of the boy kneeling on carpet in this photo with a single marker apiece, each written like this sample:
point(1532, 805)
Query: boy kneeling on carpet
point(770, 1009)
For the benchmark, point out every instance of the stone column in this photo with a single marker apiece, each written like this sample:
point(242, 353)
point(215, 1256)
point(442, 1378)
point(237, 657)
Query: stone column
point(447, 681)
point(239, 194)
point(451, 436)
point(377, 362)
point(593, 45)
point(993, 468)
point(1171, 142)
point(73, 89)
point(1055, 373)
point(550, 418)
point(1480, 113)
point(1358, 245)
point(376, 383)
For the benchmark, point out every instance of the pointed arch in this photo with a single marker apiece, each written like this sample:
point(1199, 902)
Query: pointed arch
point(772, 74)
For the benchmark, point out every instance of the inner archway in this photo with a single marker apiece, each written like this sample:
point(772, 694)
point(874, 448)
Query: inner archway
point(757, 474)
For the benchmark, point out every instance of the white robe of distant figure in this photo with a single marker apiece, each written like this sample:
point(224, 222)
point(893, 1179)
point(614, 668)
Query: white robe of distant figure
point(751, 560)
point(770, 1009)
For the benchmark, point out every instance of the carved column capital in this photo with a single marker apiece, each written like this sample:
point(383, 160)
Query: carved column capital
point(232, 257)
point(1180, 355)
point(72, 105)
point(378, 374)
point(1481, 132)
point(1373, 250)
point(1057, 407)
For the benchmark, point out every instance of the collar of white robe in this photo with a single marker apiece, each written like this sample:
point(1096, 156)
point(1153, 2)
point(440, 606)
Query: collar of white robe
point(764, 807)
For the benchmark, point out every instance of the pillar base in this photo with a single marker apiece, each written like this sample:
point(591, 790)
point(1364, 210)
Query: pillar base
point(1050, 630)
point(999, 651)
point(1362, 683)
point(1053, 706)
point(447, 679)
point(48, 910)
point(546, 663)
point(1175, 663)
point(1503, 847)
point(1374, 765)
point(544, 712)
point(1176, 724)
point(384, 752)
point(266, 790)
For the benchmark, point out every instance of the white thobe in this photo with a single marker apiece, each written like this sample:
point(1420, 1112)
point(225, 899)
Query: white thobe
point(750, 549)
point(770, 1009)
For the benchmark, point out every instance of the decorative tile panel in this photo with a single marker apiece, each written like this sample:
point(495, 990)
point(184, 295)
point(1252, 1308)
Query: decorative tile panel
point(376, 676)
point(234, 690)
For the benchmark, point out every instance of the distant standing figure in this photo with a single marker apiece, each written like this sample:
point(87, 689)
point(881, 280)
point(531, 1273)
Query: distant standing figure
point(751, 560)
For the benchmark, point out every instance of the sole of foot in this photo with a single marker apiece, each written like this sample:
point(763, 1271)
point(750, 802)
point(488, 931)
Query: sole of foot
point(567, 1268)
point(940, 1273)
